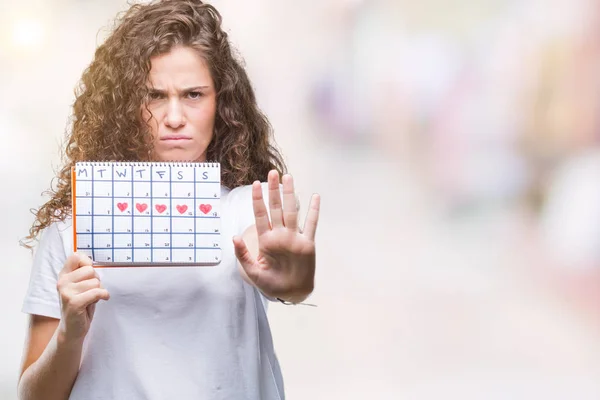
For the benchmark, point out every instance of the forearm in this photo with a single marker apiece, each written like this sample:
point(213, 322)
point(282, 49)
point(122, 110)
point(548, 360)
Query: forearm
point(51, 376)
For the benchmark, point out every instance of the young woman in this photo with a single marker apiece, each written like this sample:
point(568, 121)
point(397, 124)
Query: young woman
point(166, 86)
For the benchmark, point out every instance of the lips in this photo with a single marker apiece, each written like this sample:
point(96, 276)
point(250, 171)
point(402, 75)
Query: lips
point(175, 137)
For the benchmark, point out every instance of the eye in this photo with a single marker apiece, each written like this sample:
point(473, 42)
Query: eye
point(195, 95)
point(155, 96)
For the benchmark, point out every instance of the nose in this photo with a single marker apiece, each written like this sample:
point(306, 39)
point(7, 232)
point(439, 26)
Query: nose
point(175, 118)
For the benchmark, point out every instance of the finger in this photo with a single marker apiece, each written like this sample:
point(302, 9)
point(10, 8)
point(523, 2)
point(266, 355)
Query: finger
point(68, 290)
point(312, 217)
point(261, 217)
point(290, 210)
point(83, 273)
point(84, 260)
point(275, 200)
point(84, 299)
point(86, 285)
point(243, 255)
point(75, 261)
point(71, 264)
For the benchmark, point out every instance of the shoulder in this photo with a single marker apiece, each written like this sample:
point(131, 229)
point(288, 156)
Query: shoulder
point(57, 229)
point(50, 253)
point(56, 237)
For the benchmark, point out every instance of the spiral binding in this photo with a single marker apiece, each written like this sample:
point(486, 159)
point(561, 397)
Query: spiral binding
point(177, 164)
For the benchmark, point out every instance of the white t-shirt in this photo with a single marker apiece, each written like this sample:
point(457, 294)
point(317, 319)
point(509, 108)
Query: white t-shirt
point(172, 332)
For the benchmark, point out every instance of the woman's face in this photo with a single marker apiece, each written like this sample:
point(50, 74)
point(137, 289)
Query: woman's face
point(182, 102)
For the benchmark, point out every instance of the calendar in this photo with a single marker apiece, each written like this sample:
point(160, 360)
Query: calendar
point(147, 213)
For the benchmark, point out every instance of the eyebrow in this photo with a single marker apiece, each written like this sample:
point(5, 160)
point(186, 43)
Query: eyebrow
point(184, 90)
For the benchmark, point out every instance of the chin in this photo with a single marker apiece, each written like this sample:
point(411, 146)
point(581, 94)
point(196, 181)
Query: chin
point(180, 156)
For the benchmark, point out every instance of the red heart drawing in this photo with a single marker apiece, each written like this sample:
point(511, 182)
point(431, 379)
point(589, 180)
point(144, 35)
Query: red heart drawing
point(160, 208)
point(205, 208)
point(122, 206)
point(141, 207)
point(182, 209)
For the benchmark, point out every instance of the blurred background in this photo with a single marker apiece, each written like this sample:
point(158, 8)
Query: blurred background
point(456, 147)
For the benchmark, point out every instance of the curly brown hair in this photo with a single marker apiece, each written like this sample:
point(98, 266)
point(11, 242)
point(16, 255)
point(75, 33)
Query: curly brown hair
point(107, 122)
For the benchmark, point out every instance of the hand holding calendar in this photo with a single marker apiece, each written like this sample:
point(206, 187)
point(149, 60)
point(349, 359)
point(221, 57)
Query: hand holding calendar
point(285, 263)
point(79, 288)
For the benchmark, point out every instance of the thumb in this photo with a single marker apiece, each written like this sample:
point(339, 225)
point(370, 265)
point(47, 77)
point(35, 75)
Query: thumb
point(90, 310)
point(242, 254)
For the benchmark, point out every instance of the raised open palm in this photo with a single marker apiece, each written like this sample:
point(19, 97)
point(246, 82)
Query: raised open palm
point(285, 264)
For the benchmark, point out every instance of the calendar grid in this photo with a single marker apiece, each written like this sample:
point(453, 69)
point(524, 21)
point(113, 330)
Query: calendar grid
point(195, 250)
point(158, 216)
point(172, 215)
point(120, 210)
point(151, 219)
point(112, 214)
point(129, 197)
point(143, 233)
point(174, 248)
point(149, 181)
point(132, 219)
point(93, 230)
